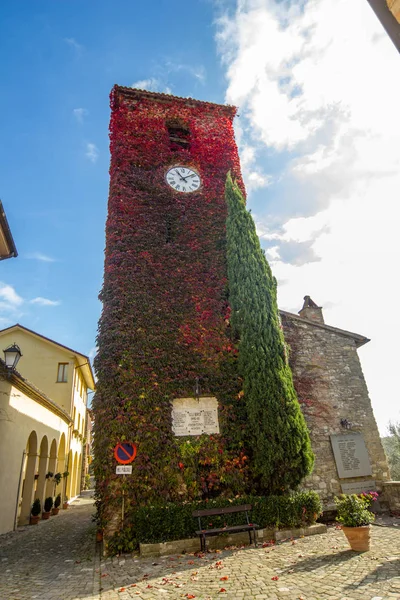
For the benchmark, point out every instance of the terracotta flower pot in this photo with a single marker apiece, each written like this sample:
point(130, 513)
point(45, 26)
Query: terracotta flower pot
point(65, 505)
point(34, 519)
point(359, 538)
point(55, 511)
point(46, 515)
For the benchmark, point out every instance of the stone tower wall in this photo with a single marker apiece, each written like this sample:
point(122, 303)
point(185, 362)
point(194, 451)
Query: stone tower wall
point(331, 388)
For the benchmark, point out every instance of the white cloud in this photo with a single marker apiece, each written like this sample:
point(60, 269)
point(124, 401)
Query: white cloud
point(252, 173)
point(40, 256)
point(44, 302)
point(9, 296)
point(92, 353)
point(10, 305)
point(152, 85)
point(80, 114)
point(196, 71)
point(74, 44)
point(315, 83)
point(92, 152)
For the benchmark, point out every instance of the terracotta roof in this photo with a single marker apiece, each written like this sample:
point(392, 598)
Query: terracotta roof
point(135, 92)
point(360, 340)
point(56, 344)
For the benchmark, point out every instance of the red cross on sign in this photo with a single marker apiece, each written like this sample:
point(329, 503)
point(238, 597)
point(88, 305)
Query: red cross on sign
point(125, 453)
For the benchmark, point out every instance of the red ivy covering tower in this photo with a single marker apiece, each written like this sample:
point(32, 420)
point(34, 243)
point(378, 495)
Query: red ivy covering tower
point(165, 319)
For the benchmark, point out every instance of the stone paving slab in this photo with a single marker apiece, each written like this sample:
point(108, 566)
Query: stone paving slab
point(59, 560)
point(311, 568)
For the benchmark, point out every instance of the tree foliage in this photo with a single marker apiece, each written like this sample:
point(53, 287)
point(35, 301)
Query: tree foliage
point(391, 445)
point(276, 431)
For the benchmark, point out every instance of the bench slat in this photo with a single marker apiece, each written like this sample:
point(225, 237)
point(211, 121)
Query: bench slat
point(227, 529)
point(221, 511)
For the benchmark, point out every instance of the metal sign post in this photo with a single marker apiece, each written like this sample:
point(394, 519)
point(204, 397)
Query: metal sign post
point(124, 453)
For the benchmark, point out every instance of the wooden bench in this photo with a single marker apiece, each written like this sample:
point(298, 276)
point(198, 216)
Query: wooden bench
point(228, 510)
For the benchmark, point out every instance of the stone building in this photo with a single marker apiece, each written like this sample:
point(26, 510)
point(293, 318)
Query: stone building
point(334, 397)
point(165, 316)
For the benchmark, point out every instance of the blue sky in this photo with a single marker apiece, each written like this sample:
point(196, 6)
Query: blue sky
point(317, 134)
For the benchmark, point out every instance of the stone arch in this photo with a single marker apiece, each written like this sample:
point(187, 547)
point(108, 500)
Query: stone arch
point(42, 469)
point(29, 471)
point(52, 469)
point(79, 476)
point(74, 475)
point(61, 467)
point(68, 486)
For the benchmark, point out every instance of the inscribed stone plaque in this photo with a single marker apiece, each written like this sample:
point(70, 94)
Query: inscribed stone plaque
point(194, 416)
point(356, 487)
point(351, 455)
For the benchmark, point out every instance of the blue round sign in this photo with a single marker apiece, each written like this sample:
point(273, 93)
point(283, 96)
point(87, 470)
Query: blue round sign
point(125, 453)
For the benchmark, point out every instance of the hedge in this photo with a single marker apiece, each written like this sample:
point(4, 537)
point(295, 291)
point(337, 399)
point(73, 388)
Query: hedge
point(173, 521)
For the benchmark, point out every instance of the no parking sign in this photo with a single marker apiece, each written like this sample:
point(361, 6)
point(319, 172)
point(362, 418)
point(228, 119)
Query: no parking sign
point(125, 453)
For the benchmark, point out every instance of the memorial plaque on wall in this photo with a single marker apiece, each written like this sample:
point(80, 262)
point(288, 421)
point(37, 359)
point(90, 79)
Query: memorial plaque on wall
point(351, 455)
point(194, 416)
point(356, 487)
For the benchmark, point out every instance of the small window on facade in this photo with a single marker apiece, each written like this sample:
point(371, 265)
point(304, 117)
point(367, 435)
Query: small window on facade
point(62, 373)
point(179, 135)
point(170, 227)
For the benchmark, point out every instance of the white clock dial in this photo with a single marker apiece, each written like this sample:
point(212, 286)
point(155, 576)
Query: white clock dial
point(183, 179)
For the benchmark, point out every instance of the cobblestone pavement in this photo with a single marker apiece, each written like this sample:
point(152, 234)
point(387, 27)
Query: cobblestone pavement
point(54, 560)
point(59, 560)
point(312, 568)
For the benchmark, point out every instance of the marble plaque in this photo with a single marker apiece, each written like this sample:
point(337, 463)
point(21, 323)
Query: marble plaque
point(194, 416)
point(356, 487)
point(351, 455)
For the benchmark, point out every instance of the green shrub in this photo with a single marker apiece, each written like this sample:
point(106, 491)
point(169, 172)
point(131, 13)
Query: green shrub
point(352, 510)
point(36, 508)
point(276, 431)
point(57, 501)
point(173, 521)
point(48, 504)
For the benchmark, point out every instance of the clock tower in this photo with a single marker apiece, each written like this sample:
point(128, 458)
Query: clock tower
point(164, 331)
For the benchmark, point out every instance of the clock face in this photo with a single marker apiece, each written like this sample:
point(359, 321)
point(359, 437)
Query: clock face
point(183, 179)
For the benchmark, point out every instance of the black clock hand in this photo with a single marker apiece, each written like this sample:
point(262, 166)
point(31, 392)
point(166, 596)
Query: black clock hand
point(183, 178)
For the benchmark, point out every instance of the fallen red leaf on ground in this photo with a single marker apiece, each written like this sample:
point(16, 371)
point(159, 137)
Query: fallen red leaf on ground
point(224, 578)
point(275, 578)
point(222, 590)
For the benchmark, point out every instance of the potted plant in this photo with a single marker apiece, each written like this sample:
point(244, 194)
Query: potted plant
point(48, 505)
point(65, 503)
point(353, 514)
point(56, 507)
point(35, 512)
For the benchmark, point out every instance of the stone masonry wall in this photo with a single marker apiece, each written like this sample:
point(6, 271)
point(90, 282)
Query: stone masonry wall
point(331, 387)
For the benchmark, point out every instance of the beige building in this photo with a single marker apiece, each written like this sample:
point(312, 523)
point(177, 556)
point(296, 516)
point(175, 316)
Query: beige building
point(43, 419)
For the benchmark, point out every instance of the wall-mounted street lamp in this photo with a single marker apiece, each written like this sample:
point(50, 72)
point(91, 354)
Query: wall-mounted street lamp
point(12, 354)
